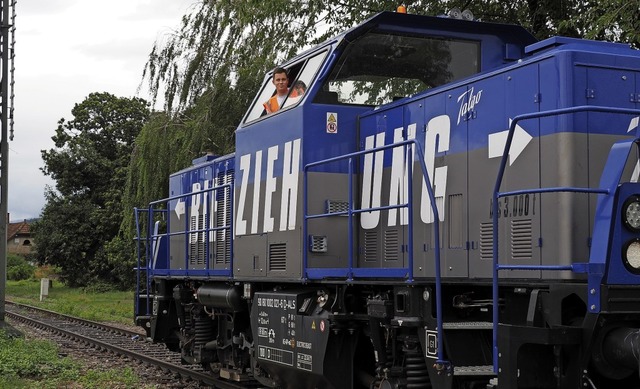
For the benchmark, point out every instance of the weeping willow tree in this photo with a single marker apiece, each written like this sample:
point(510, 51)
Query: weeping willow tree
point(208, 71)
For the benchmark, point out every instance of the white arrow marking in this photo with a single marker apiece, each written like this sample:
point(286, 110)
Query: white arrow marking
point(633, 123)
point(179, 209)
point(498, 140)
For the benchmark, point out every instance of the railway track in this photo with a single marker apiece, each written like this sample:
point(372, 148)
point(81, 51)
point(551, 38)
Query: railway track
point(109, 339)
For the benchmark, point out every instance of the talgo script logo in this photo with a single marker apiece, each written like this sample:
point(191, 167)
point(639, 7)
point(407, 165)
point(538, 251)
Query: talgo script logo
point(469, 100)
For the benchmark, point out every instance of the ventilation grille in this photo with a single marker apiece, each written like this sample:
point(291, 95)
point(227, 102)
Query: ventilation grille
point(222, 243)
point(278, 257)
point(318, 244)
point(370, 246)
point(196, 241)
point(521, 239)
point(391, 244)
point(334, 206)
point(486, 241)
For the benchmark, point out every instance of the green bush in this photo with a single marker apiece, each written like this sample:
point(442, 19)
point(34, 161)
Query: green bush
point(18, 268)
point(15, 260)
point(20, 272)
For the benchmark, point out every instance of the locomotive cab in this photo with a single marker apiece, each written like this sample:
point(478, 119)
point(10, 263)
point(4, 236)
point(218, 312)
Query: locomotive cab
point(386, 59)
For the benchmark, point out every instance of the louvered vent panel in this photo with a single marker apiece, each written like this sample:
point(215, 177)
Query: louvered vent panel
point(370, 246)
point(486, 241)
point(334, 206)
point(318, 244)
point(278, 257)
point(391, 244)
point(223, 219)
point(521, 239)
point(196, 241)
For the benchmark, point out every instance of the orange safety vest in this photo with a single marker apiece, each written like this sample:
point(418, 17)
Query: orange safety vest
point(271, 105)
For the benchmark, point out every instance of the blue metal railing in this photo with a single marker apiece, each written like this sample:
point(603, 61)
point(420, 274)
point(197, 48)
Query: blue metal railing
point(577, 267)
point(408, 271)
point(151, 236)
point(138, 267)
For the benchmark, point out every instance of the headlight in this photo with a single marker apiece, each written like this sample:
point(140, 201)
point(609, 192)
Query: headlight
point(632, 256)
point(631, 213)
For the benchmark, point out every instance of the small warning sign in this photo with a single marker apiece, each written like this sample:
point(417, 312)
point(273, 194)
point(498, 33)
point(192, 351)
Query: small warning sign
point(332, 122)
point(313, 325)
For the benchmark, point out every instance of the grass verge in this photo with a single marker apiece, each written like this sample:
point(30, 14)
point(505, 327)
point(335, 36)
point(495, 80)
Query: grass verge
point(37, 364)
point(104, 306)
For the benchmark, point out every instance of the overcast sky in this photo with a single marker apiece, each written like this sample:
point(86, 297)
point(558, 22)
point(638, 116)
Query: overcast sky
point(65, 50)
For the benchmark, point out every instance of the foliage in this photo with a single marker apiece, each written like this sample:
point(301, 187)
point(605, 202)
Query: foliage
point(20, 272)
point(18, 268)
point(89, 165)
point(15, 260)
point(612, 20)
point(166, 145)
point(46, 271)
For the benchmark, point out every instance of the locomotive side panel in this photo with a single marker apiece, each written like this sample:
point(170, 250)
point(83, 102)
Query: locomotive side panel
point(328, 237)
point(268, 199)
point(575, 147)
point(441, 136)
point(274, 250)
point(505, 95)
point(382, 240)
point(199, 216)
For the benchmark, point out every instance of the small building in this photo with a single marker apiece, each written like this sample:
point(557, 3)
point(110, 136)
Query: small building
point(19, 239)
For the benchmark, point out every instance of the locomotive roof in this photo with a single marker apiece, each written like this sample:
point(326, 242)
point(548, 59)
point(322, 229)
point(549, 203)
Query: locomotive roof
point(407, 23)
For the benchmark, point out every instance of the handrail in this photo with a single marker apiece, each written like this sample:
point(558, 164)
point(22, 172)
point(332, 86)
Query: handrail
point(137, 223)
point(410, 143)
point(206, 230)
point(150, 235)
point(497, 194)
point(148, 244)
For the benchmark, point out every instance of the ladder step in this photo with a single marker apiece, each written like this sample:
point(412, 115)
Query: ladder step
point(483, 370)
point(468, 325)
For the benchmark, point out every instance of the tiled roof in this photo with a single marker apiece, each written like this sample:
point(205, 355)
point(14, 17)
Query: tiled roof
point(20, 228)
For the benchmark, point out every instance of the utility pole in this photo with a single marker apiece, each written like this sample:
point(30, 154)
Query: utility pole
point(7, 26)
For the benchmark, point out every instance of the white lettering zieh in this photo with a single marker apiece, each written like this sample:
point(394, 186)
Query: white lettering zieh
point(437, 137)
point(251, 167)
point(204, 205)
point(467, 101)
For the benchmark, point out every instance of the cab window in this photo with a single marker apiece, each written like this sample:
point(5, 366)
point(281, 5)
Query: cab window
point(300, 76)
point(378, 67)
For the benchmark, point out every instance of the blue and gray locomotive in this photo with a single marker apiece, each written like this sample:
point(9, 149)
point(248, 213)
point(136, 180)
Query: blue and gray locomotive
point(450, 204)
